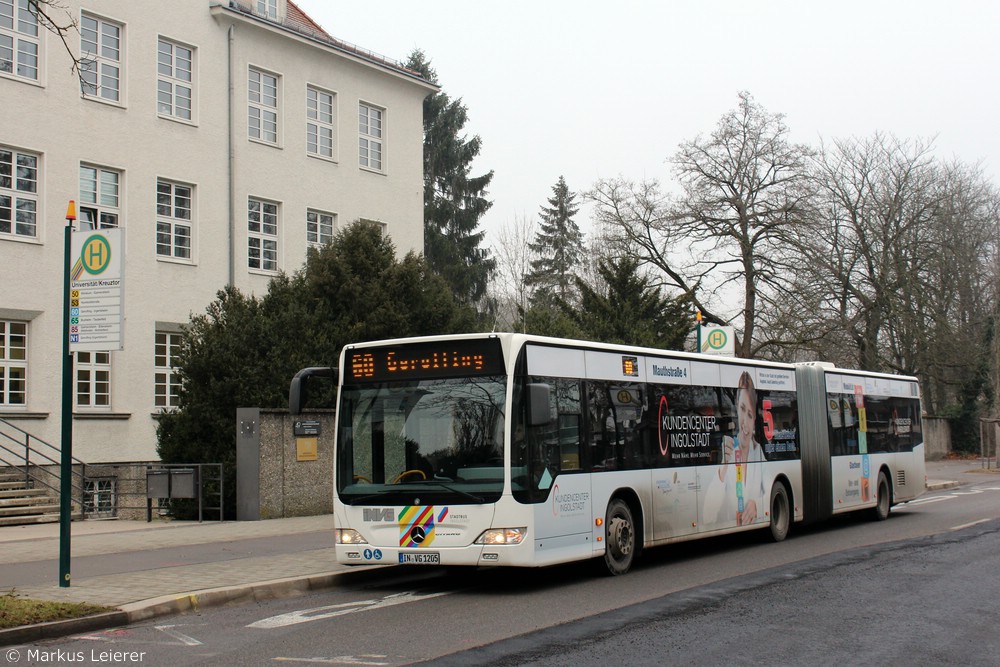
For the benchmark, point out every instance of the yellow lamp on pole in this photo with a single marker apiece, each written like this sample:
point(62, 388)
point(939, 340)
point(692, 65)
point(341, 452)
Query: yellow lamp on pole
point(697, 329)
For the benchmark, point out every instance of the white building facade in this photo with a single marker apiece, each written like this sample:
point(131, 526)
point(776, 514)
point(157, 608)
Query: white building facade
point(224, 138)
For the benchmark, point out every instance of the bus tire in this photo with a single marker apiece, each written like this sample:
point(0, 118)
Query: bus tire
point(883, 498)
point(619, 537)
point(781, 516)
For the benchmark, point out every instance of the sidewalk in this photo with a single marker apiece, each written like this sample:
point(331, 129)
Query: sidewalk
point(162, 590)
point(229, 574)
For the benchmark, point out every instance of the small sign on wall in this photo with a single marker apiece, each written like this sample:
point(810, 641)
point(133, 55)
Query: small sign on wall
point(306, 427)
point(306, 449)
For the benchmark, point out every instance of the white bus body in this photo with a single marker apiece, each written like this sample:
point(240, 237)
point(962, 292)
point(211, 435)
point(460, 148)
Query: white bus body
point(508, 449)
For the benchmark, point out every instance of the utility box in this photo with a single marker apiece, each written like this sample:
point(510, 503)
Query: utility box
point(183, 483)
point(171, 483)
point(157, 483)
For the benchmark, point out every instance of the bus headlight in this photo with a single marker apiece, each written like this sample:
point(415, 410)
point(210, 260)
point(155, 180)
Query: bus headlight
point(348, 536)
point(502, 536)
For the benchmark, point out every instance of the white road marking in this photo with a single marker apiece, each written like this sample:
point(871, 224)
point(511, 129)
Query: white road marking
point(318, 613)
point(972, 523)
point(339, 660)
point(924, 500)
point(126, 636)
point(179, 636)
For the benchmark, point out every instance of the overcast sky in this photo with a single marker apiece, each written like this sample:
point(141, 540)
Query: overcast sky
point(592, 89)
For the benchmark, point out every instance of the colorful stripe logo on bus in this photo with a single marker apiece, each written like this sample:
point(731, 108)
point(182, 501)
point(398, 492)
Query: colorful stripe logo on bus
point(416, 526)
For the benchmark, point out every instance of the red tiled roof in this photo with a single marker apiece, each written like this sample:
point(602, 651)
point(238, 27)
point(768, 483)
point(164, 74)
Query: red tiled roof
point(299, 21)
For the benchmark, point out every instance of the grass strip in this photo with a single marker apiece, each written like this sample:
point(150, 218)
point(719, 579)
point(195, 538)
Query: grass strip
point(16, 611)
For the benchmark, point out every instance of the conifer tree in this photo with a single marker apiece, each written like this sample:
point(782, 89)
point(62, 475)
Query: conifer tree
point(244, 349)
point(629, 309)
point(454, 200)
point(558, 246)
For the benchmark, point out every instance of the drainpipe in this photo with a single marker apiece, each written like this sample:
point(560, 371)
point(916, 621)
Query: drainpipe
point(232, 163)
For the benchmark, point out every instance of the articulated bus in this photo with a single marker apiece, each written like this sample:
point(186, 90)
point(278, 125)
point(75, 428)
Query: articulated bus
point(518, 450)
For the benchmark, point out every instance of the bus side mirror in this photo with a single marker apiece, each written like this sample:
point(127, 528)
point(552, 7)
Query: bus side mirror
point(538, 405)
point(298, 389)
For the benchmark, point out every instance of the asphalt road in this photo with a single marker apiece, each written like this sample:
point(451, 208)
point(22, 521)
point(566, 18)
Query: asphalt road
point(930, 601)
point(823, 596)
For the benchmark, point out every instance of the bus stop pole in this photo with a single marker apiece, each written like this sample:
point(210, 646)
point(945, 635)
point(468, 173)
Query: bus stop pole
point(66, 458)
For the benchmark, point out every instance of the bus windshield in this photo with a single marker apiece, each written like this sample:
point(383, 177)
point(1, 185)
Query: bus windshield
point(439, 440)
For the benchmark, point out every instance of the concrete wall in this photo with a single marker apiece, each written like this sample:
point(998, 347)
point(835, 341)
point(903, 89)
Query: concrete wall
point(937, 438)
point(288, 486)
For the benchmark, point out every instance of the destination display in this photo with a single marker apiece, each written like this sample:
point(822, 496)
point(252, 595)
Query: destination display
point(426, 360)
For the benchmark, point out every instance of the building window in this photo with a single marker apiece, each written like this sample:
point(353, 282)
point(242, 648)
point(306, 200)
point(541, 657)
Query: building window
point(18, 39)
point(319, 227)
point(319, 126)
point(166, 381)
point(370, 141)
point(13, 363)
point(100, 497)
point(99, 197)
point(18, 193)
point(175, 78)
point(382, 227)
point(262, 118)
point(93, 380)
point(100, 58)
point(268, 9)
point(262, 237)
point(173, 220)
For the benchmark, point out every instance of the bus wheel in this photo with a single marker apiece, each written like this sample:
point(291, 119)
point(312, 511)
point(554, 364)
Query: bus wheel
point(781, 517)
point(883, 498)
point(619, 547)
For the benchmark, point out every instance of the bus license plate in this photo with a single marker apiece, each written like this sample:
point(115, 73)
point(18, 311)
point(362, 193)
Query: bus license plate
point(425, 558)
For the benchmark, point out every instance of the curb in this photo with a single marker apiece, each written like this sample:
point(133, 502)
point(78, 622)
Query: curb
point(168, 605)
point(935, 485)
point(27, 634)
point(217, 597)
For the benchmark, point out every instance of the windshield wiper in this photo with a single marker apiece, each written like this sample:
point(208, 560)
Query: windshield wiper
point(470, 496)
point(408, 489)
point(370, 496)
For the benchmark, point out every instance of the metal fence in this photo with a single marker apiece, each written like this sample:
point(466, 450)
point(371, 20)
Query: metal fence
point(139, 491)
point(39, 463)
point(989, 435)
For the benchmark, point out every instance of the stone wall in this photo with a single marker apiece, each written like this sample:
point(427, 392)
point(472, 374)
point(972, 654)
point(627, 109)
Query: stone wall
point(289, 486)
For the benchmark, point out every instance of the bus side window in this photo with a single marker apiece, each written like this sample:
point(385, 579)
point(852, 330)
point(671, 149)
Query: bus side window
point(554, 446)
point(603, 427)
point(570, 421)
point(569, 443)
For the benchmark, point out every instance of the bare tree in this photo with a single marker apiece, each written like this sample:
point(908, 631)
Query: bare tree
point(55, 17)
point(744, 193)
point(509, 287)
point(895, 271)
point(744, 190)
point(951, 315)
point(864, 247)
